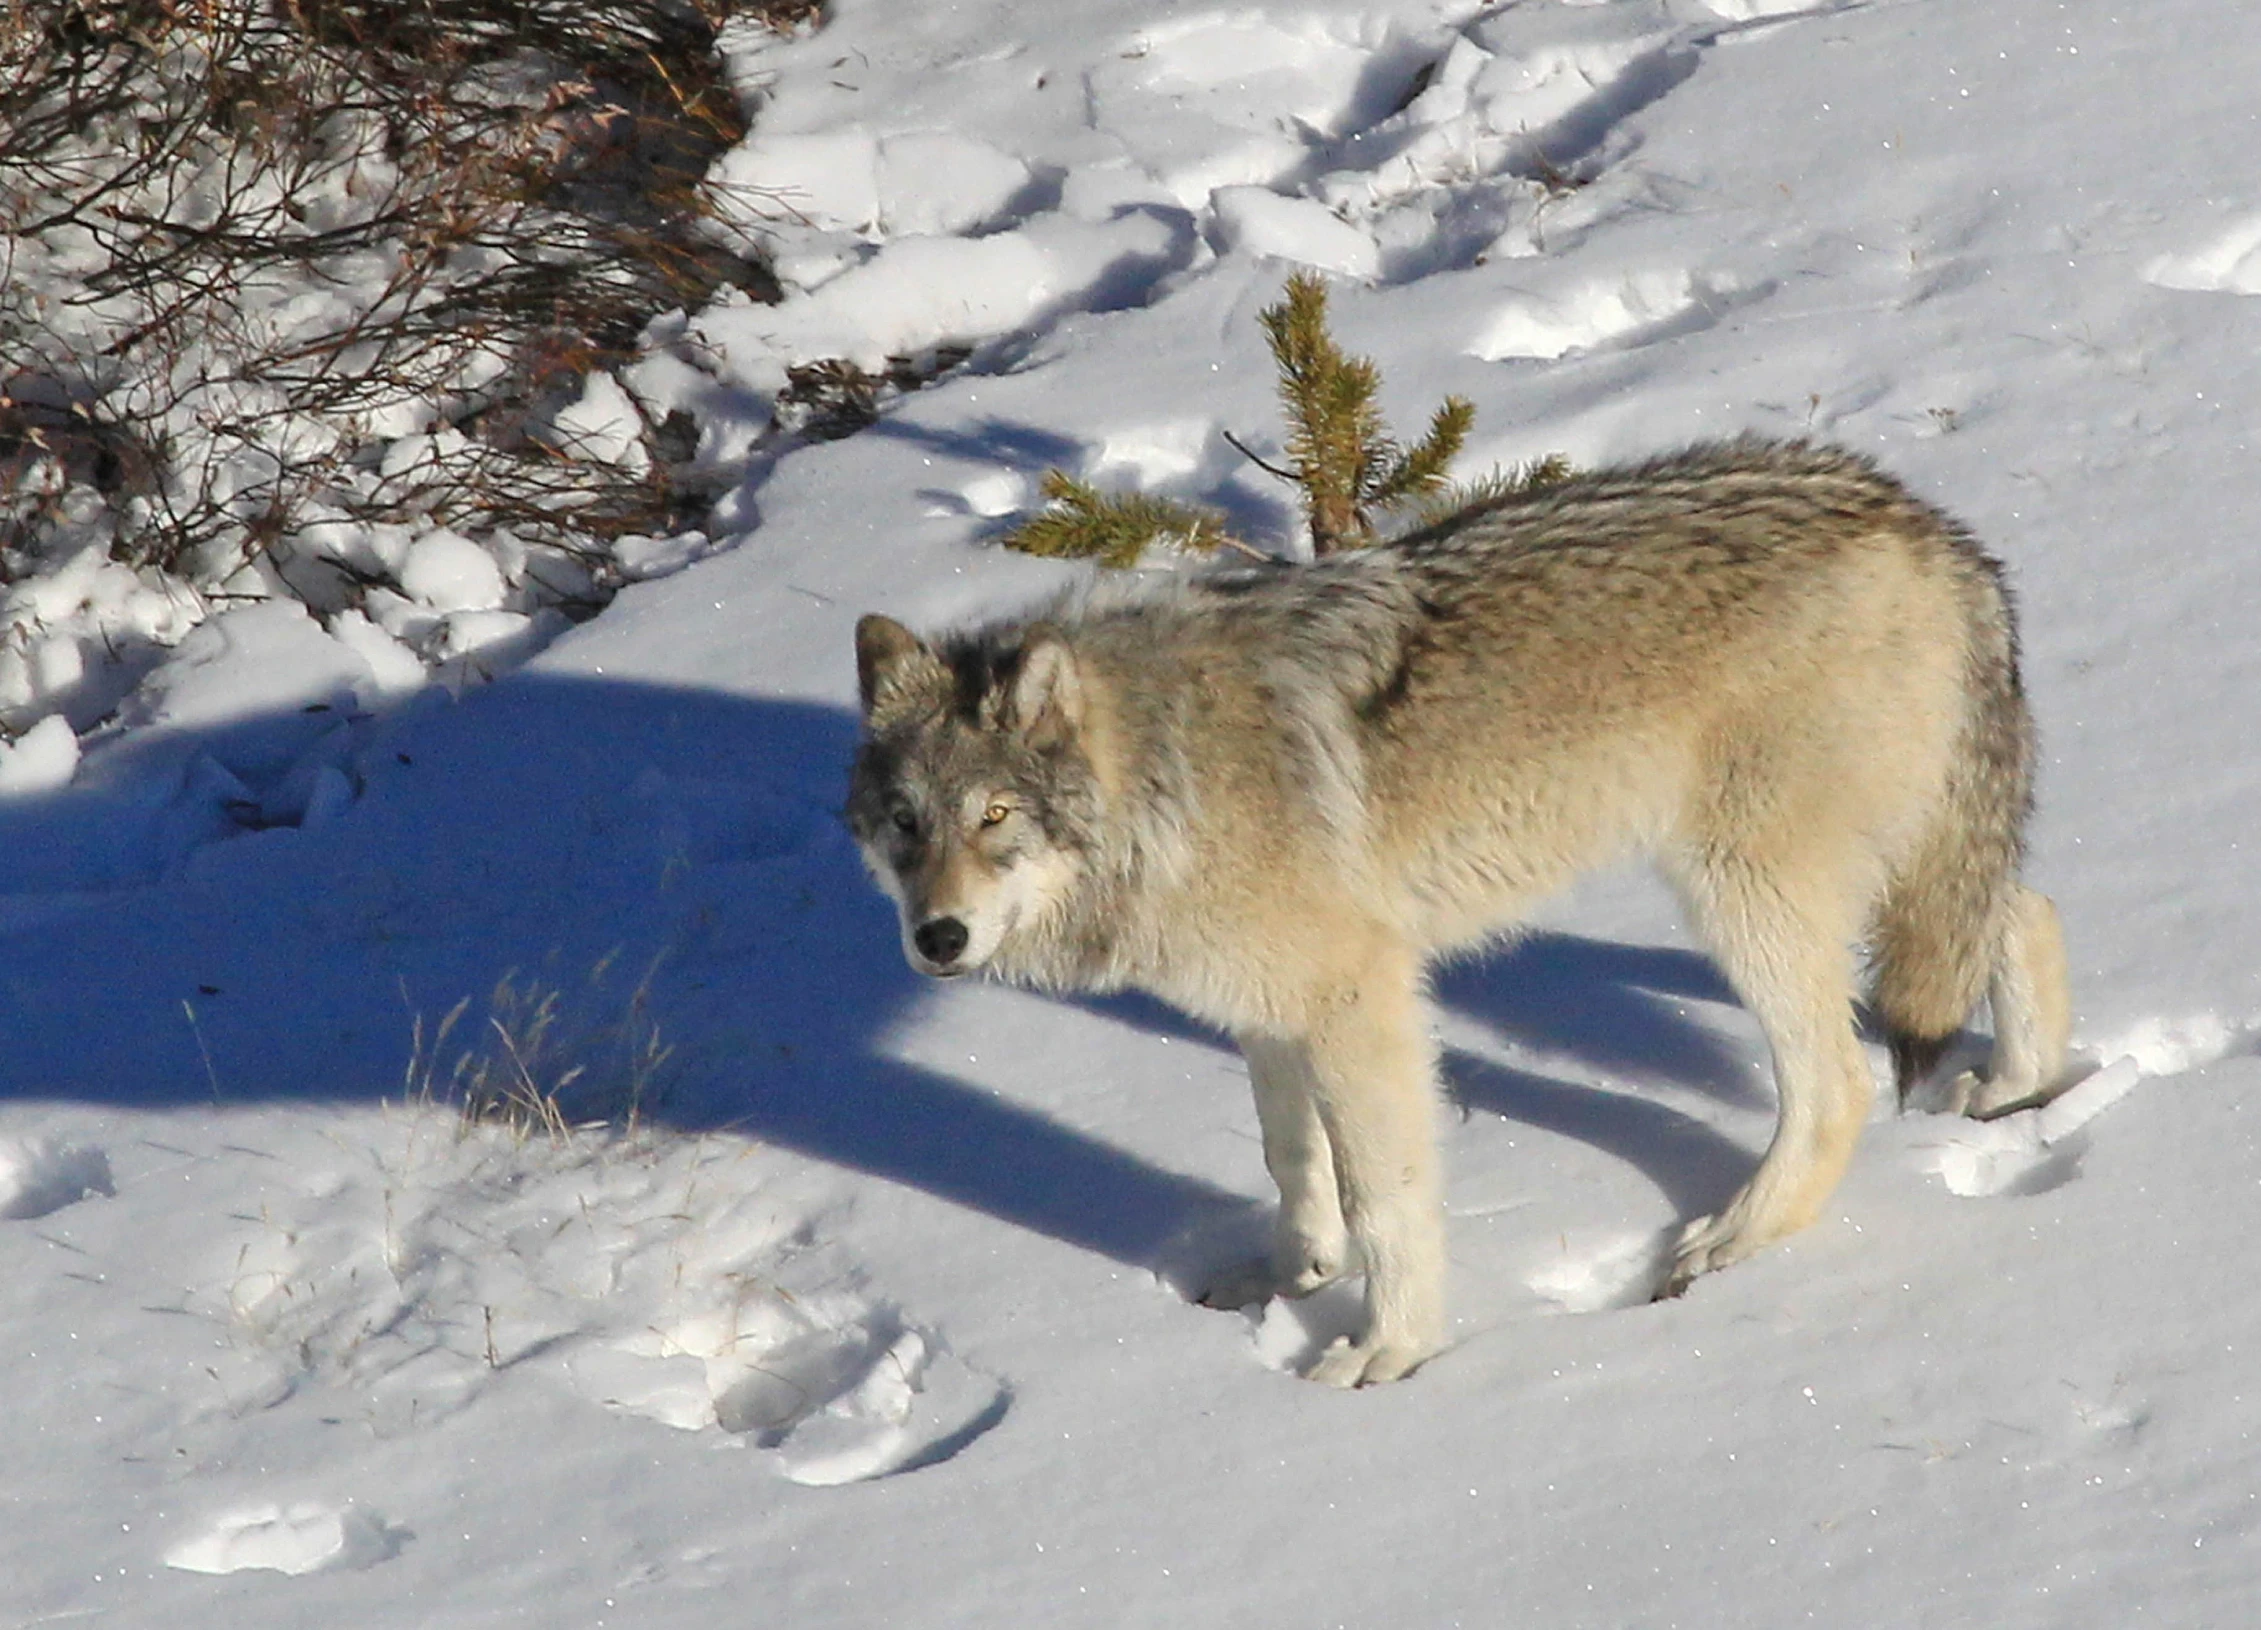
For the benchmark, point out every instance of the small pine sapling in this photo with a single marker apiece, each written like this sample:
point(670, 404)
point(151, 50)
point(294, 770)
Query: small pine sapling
point(1342, 454)
point(1341, 457)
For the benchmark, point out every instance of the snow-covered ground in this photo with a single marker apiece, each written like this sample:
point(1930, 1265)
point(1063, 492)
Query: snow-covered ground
point(870, 1319)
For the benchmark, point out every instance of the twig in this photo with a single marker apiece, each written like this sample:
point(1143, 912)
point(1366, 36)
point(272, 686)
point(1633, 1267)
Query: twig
point(211, 1075)
point(1270, 469)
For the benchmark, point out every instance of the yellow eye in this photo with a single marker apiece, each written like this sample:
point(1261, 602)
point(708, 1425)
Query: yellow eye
point(995, 813)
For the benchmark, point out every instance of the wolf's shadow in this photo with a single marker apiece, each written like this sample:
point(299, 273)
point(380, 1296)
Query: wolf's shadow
point(1618, 1008)
point(185, 930)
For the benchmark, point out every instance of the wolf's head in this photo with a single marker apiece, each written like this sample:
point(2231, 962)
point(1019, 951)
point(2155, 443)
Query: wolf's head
point(971, 797)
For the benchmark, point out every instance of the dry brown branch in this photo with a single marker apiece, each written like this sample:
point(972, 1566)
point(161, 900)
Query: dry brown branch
point(250, 244)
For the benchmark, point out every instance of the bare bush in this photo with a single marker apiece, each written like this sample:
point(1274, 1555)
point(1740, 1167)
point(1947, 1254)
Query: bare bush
point(285, 279)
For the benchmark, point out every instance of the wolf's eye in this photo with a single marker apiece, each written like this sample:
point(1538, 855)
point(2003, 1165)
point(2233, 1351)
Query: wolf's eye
point(906, 818)
point(997, 811)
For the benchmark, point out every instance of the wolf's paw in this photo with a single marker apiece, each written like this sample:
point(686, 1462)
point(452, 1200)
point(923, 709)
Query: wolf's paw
point(1258, 1279)
point(1348, 1363)
point(1989, 1098)
point(1705, 1244)
point(1310, 1268)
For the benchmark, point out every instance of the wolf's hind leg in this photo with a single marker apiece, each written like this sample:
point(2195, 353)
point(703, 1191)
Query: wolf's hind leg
point(1309, 1242)
point(1793, 966)
point(1375, 1075)
point(2033, 1018)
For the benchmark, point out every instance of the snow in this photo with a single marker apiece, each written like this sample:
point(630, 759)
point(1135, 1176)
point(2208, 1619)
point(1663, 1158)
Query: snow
point(39, 1175)
point(305, 1538)
point(602, 425)
point(448, 572)
point(918, 292)
point(41, 759)
point(865, 1305)
point(1259, 221)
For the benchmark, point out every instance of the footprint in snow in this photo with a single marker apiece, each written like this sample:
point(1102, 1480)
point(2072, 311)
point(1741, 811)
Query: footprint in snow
point(1637, 308)
point(1758, 10)
point(837, 1401)
point(305, 1537)
point(2230, 263)
point(1622, 1271)
point(1290, 1335)
point(39, 1175)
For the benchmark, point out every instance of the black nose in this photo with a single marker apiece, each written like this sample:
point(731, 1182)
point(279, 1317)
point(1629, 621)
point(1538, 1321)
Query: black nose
point(941, 940)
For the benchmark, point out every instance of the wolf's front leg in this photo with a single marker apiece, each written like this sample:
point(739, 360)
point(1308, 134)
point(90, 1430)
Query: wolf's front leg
point(1374, 1076)
point(1309, 1243)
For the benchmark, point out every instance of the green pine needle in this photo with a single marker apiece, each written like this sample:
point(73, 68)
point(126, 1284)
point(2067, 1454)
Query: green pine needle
point(1338, 453)
point(1339, 450)
point(1420, 470)
point(1113, 528)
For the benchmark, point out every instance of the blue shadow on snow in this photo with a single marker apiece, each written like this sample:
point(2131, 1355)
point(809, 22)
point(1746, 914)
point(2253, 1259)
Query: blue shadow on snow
point(273, 911)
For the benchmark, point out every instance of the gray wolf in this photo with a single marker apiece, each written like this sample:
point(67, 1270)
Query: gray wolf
point(1271, 795)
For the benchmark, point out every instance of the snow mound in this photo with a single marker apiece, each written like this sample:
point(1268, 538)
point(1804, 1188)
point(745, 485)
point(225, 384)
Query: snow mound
point(919, 292)
point(602, 425)
point(448, 572)
point(841, 1389)
point(1258, 221)
point(41, 759)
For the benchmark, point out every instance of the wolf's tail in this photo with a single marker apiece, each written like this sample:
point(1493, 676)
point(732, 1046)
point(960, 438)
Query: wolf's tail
point(1954, 922)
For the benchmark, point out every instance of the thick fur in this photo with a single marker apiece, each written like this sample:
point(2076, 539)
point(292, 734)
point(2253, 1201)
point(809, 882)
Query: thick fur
point(1272, 795)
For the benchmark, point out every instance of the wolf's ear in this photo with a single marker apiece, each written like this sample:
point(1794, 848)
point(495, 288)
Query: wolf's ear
point(891, 662)
point(1048, 690)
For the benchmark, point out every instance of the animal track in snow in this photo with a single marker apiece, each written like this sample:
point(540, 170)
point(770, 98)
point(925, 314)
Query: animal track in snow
point(1219, 98)
point(1623, 1271)
point(1604, 1276)
point(1756, 10)
point(1628, 310)
point(1991, 1158)
point(1290, 1335)
point(660, 1277)
point(306, 1537)
point(39, 1175)
point(841, 1392)
point(2230, 263)
point(1501, 151)
point(2170, 1046)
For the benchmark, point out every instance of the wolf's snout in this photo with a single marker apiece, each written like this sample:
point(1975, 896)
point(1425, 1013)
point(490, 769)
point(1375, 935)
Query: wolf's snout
point(941, 940)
